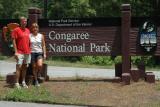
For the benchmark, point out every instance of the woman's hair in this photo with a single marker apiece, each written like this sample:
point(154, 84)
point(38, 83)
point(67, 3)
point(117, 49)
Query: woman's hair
point(34, 25)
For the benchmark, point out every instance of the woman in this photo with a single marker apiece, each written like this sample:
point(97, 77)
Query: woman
point(38, 51)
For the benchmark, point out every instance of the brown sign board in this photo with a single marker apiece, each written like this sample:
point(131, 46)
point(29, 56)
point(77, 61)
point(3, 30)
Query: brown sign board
point(79, 41)
point(103, 37)
point(78, 37)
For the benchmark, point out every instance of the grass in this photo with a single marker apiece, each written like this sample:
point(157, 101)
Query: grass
point(3, 57)
point(33, 94)
point(75, 64)
point(98, 93)
point(63, 63)
point(158, 87)
point(155, 68)
point(1, 77)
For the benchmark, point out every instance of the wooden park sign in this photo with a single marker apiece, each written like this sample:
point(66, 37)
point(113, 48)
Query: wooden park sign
point(94, 36)
point(77, 37)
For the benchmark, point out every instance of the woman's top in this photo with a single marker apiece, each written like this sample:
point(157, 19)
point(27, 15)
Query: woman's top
point(36, 43)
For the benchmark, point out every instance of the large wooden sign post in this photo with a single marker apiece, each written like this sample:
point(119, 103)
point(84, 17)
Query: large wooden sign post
point(125, 33)
point(71, 37)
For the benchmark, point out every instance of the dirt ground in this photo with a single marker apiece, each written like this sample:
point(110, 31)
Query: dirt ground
point(107, 94)
point(102, 93)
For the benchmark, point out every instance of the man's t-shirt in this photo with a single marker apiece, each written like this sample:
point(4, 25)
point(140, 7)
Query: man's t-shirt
point(21, 37)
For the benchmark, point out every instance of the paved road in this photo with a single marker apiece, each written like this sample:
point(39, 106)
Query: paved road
point(22, 104)
point(55, 72)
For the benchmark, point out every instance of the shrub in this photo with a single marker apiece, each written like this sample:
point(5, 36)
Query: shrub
point(100, 60)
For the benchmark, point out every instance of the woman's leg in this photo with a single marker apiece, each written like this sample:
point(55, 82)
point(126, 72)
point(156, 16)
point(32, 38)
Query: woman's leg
point(34, 65)
point(39, 65)
point(34, 70)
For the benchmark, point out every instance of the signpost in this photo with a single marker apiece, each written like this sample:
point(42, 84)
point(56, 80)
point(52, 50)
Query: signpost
point(100, 36)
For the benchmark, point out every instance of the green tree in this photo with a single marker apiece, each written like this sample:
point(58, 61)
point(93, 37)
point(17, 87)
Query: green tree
point(111, 8)
point(106, 8)
point(79, 8)
point(70, 9)
point(142, 7)
point(14, 8)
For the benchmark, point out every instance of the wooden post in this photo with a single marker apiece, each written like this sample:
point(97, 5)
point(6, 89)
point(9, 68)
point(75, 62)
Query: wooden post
point(33, 15)
point(125, 33)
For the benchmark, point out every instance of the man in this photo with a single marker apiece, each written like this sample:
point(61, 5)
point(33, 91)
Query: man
point(21, 44)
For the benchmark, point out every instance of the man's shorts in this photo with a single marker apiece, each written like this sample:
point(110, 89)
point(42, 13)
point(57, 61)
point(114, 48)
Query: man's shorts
point(24, 59)
point(36, 56)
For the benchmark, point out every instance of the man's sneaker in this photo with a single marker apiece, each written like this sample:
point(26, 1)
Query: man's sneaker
point(37, 84)
point(24, 85)
point(17, 86)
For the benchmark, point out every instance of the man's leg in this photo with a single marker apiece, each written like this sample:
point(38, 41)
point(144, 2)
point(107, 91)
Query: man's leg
point(18, 70)
point(26, 62)
point(24, 69)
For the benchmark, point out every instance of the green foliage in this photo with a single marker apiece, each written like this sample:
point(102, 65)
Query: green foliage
point(135, 60)
point(100, 60)
point(142, 7)
point(14, 8)
point(65, 58)
point(70, 9)
point(37, 3)
point(1, 77)
point(2, 57)
point(106, 8)
point(118, 59)
point(79, 8)
point(107, 60)
point(158, 87)
point(148, 60)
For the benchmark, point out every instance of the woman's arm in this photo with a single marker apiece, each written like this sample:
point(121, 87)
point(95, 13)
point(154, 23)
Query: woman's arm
point(44, 46)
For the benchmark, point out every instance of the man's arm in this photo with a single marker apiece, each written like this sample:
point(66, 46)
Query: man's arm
point(15, 49)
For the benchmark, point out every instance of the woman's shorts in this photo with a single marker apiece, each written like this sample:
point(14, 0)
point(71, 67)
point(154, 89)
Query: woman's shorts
point(36, 56)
